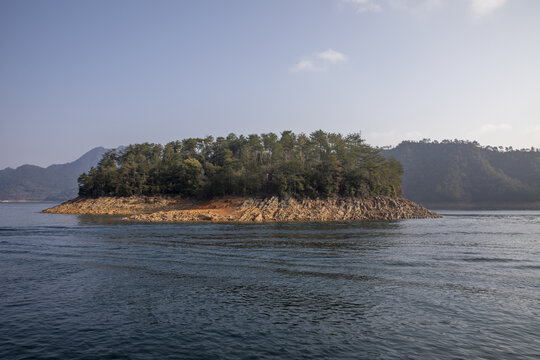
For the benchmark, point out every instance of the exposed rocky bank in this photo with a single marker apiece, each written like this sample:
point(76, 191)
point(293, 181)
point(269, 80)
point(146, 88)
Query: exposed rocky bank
point(247, 210)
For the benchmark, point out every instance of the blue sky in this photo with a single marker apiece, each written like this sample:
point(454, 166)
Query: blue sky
point(80, 74)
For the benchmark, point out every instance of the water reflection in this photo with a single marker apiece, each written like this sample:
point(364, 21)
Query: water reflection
point(105, 220)
point(331, 237)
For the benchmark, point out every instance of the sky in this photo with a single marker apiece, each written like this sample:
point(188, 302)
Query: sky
point(80, 74)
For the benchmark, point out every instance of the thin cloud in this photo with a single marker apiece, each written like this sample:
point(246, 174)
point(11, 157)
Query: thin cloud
point(306, 65)
point(484, 7)
point(365, 5)
point(319, 61)
point(332, 56)
point(478, 7)
point(415, 6)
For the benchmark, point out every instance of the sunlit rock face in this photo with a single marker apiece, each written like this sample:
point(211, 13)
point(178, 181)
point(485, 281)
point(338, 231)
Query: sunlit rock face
point(273, 209)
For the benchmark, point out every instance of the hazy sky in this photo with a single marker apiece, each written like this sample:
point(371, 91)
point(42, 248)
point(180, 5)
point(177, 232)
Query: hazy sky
point(80, 74)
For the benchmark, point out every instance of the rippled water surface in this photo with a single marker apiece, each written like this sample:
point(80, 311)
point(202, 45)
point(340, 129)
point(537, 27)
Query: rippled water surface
point(465, 286)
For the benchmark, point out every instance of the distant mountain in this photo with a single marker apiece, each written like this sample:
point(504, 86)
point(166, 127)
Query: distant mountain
point(449, 174)
point(54, 183)
point(460, 174)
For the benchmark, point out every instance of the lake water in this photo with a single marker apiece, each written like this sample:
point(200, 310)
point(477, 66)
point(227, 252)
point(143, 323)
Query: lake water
point(465, 286)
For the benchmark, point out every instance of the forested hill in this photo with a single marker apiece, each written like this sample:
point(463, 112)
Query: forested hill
point(464, 174)
point(290, 165)
point(54, 183)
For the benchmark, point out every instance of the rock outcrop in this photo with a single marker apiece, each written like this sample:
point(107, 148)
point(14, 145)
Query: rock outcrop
point(248, 210)
point(118, 205)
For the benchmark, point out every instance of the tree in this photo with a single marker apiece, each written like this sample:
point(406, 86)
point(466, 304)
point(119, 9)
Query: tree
point(319, 165)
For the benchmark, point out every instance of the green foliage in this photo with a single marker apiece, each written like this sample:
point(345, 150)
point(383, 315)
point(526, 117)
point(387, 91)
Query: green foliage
point(318, 165)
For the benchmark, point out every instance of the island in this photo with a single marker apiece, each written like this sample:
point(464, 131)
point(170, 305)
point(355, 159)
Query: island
point(320, 177)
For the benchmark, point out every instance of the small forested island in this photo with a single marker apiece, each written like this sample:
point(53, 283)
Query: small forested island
point(291, 177)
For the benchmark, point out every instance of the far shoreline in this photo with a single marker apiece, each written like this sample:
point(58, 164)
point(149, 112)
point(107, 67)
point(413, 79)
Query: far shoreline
point(32, 201)
point(481, 206)
point(431, 206)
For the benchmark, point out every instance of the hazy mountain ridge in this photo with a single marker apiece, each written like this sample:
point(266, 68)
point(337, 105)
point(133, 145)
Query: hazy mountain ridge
point(451, 174)
point(54, 183)
point(462, 174)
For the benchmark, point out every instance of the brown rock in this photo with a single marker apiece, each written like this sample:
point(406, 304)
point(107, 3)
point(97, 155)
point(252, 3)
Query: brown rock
point(334, 209)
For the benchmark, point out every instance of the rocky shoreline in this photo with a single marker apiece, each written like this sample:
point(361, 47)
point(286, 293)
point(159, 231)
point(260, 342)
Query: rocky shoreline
point(247, 210)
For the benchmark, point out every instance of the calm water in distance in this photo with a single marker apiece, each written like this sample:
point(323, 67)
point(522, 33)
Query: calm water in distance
point(74, 287)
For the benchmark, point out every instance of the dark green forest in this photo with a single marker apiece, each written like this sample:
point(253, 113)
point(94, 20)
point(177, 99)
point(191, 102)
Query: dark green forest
point(460, 174)
point(290, 165)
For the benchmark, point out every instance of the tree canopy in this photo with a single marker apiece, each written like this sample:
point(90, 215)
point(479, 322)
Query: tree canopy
point(290, 165)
